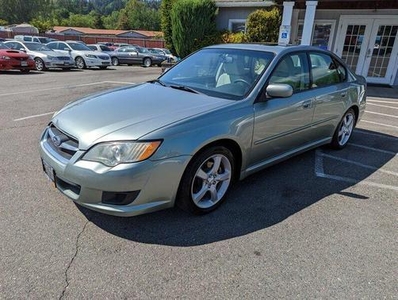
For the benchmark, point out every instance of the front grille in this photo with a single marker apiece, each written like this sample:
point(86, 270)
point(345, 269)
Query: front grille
point(64, 145)
point(63, 57)
point(103, 57)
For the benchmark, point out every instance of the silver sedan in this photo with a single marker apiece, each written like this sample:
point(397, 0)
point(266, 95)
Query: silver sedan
point(218, 116)
point(44, 57)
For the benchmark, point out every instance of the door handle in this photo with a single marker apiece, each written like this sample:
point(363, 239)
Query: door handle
point(307, 104)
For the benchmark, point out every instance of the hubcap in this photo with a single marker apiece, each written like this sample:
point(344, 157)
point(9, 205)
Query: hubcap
point(211, 181)
point(346, 129)
point(39, 65)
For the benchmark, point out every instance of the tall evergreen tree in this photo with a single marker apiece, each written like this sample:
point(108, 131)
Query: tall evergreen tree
point(193, 22)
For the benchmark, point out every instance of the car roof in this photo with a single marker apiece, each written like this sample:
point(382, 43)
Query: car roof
point(262, 47)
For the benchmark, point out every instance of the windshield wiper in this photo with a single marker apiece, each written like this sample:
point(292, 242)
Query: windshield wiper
point(157, 81)
point(184, 88)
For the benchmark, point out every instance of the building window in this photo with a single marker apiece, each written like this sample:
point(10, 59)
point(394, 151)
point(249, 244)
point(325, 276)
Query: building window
point(237, 25)
point(322, 34)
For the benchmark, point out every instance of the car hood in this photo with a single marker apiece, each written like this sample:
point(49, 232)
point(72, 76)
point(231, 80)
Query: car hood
point(13, 53)
point(45, 53)
point(130, 113)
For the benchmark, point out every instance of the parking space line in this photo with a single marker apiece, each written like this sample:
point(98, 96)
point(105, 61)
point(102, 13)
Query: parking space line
point(362, 131)
point(358, 164)
point(382, 101)
point(380, 114)
point(66, 87)
point(381, 124)
point(34, 116)
point(319, 172)
point(373, 149)
point(378, 105)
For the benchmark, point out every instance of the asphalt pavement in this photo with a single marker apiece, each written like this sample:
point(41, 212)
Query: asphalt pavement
point(322, 225)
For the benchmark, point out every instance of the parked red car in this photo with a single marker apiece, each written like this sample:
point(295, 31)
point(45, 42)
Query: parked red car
point(15, 60)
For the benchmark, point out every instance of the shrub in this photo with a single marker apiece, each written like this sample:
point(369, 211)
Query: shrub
point(263, 26)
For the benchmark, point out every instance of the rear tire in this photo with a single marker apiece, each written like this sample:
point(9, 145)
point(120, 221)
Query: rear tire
point(206, 181)
point(344, 130)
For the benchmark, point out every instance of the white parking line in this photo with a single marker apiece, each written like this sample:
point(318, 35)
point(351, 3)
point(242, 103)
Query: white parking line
point(34, 116)
point(373, 149)
point(66, 87)
point(380, 114)
point(319, 172)
point(378, 105)
point(361, 131)
point(381, 101)
point(369, 167)
point(381, 124)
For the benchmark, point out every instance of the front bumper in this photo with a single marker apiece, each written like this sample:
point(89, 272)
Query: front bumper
point(96, 62)
point(152, 185)
point(60, 64)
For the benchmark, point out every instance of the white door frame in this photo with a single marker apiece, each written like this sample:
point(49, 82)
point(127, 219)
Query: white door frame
point(372, 24)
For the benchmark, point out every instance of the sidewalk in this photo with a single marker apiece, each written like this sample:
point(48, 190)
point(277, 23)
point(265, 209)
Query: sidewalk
point(375, 91)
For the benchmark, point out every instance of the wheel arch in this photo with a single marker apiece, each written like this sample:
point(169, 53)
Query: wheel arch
point(232, 146)
point(355, 108)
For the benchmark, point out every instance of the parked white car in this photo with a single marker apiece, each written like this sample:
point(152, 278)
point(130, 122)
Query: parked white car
point(84, 57)
point(44, 57)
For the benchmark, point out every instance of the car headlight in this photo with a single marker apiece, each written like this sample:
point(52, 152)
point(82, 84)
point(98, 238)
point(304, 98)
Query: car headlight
point(114, 153)
point(50, 57)
point(90, 56)
point(5, 57)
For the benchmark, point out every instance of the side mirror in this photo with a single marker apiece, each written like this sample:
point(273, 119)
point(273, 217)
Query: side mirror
point(279, 90)
point(22, 49)
point(67, 49)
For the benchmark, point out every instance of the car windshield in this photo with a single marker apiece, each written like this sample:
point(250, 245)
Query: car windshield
point(79, 47)
point(37, 47)
point(224, 73)
point(3, 46)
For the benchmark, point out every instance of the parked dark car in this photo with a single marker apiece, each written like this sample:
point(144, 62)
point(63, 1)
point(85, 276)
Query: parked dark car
point(134, 55)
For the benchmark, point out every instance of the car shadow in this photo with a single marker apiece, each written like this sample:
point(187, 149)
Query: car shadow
point(261, 200)
point(383, 91)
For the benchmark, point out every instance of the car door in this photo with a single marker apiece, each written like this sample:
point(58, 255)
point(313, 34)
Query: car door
point(282, 126)
point(331, 89)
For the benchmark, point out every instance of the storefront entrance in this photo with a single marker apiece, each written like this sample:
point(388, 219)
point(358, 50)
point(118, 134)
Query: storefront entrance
point(369, 45)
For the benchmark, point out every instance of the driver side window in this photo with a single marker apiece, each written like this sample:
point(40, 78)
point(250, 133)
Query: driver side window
point(292, 70)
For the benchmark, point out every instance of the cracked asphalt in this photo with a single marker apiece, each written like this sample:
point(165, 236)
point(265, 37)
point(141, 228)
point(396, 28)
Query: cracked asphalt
point(321, 225)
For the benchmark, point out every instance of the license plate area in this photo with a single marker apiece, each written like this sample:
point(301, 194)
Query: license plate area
point(24, 64)
point(49, 172)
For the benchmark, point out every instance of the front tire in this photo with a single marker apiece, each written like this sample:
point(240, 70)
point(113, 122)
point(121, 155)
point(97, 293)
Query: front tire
point(39, 63)
point(344, 130)
point(206, 180)
point(80, 63)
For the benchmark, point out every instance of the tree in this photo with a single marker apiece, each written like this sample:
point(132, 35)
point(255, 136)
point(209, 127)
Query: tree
point(42, 24)
point(263, 25)
point(193, 25)
point(141, 16)
point(165, 23)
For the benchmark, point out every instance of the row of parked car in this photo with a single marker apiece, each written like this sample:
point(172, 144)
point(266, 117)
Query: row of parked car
point(27, 55)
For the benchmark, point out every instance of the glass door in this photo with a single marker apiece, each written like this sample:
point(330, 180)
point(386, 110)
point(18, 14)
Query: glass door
point(381, 52)
point(369, 46)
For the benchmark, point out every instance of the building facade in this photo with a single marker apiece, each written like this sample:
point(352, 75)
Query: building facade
point(363, 32)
